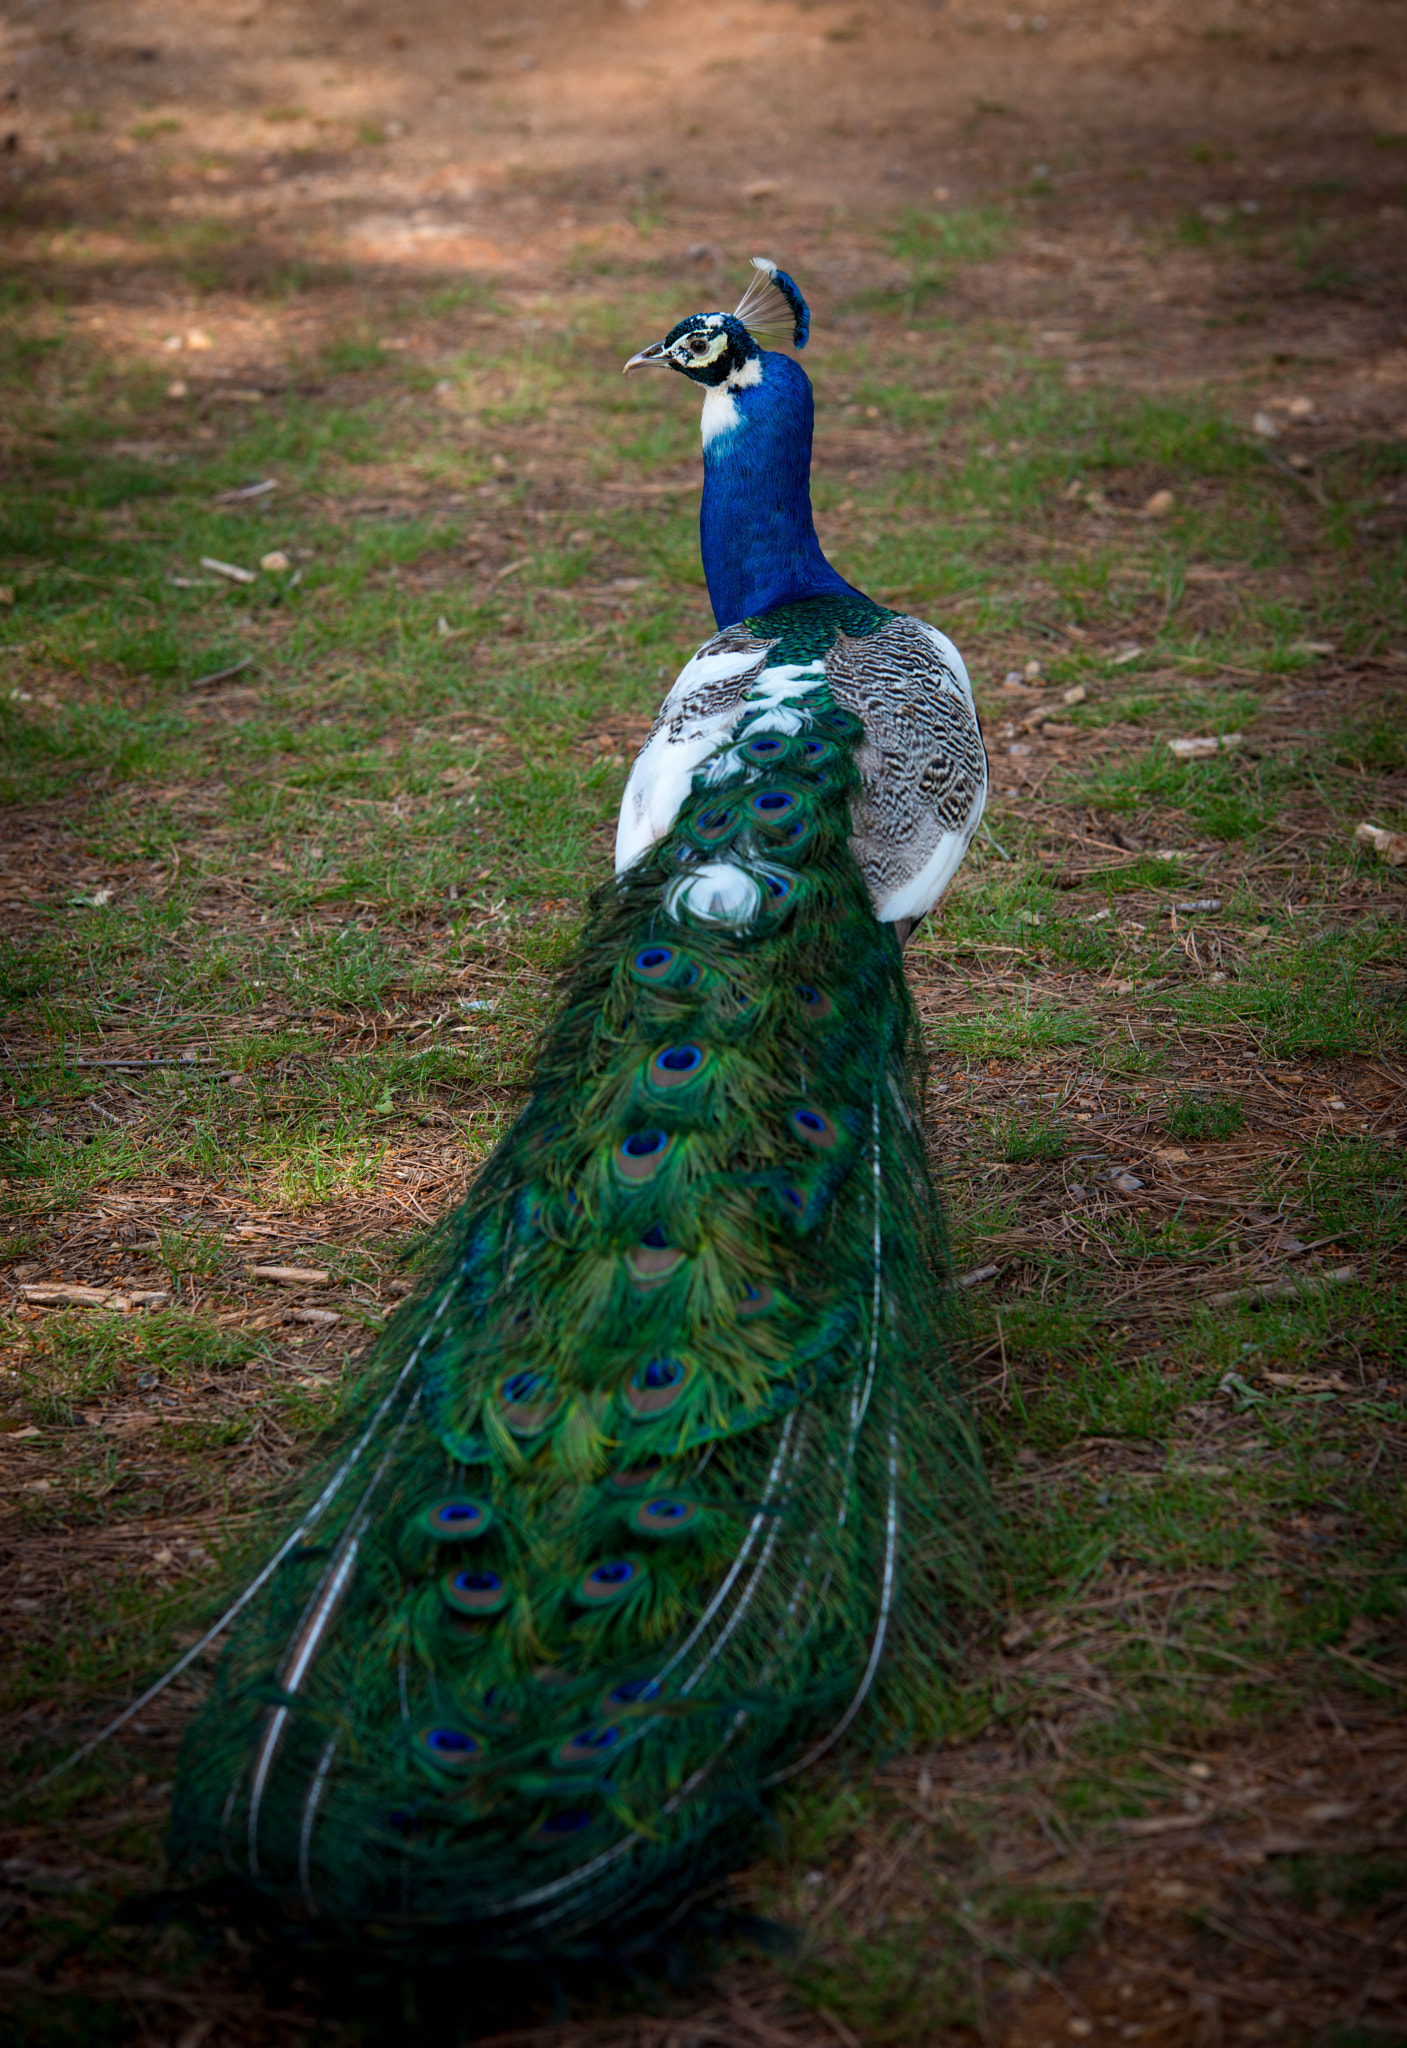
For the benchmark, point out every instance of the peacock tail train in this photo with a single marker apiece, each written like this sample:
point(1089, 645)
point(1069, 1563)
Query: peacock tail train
point(616, 1540)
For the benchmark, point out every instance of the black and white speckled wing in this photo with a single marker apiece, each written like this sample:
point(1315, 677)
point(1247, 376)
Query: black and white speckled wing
point(923, 766)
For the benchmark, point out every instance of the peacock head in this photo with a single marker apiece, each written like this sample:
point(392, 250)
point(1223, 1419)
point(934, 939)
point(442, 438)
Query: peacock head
point(716, 348)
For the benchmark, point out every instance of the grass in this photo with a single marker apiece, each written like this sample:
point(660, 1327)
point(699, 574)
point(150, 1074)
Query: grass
point(1204, 1117)
point(334, 891)
point(1021, 1141)
point(934, 247)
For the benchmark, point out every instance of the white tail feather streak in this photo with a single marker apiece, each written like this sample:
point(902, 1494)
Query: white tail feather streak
point(309, 1634)
point(256, 1584)
point(888, 1587)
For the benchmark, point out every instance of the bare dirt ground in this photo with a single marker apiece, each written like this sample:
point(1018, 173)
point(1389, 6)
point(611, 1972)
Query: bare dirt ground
point(275, 175)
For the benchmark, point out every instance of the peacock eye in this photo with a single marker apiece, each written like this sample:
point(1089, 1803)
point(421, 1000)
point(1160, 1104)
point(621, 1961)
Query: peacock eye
point(698, 345)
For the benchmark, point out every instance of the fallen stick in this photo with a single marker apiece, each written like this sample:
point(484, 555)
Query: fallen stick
point(57, 1294)
point(1282, 1290)
point(171, 1060)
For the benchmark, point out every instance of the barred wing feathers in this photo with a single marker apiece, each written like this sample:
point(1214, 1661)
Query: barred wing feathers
point(922, 765)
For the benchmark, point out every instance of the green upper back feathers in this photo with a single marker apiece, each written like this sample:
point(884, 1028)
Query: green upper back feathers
point(615, 1539)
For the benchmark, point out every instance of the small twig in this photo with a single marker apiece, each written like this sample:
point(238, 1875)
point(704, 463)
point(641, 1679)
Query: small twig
point(222, 675)
point(1282, 1290)
point(1394, 1680)
point(171, 1060)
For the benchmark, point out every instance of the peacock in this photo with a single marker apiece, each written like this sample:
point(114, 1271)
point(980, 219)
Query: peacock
point(613, 1540)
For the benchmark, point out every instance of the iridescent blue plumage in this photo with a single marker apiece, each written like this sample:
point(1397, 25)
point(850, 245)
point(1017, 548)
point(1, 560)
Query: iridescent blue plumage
point(756, 533)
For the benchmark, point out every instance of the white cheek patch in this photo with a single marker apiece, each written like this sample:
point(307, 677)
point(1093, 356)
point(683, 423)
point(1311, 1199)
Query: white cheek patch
point(720, 410)
point(691, 359)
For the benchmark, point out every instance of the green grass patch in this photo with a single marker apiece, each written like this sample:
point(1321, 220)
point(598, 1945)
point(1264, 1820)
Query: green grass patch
point(1204, 1118)
point(1013, 1030)
point(1023, 1141)
point(1321, 997)
point(935, 246)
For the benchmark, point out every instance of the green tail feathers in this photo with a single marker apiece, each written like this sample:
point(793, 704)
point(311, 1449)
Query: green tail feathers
point(620, 1535)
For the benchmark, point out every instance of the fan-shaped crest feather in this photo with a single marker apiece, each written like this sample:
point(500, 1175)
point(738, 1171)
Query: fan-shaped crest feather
point(773, 304)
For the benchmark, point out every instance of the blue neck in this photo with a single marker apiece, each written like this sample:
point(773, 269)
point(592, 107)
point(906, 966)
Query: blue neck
point(756, 533)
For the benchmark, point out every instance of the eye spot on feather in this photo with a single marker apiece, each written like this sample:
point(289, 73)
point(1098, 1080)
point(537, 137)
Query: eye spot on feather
point(654, 1388)
point(778, 887)
point(665, 1516)
point(770, 804)
point(665, 965)
point(814, 1127)
point(635, 1692)
point(814, 1003)
point(639, 1157)
point(756, 1300)
point(653, 963)
point(606, 1583)
point(475, 1592)
point(653, 1261)
point(634, 1481)
point(566, 1826)
point(714, 824)
point(457, 1521)
point(452, 1749)
point(844, 724)
point(588, 1746)
point(763, 749)
point(673, 1066)
point(527, 1402)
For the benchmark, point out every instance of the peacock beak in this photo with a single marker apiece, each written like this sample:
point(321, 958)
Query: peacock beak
point(655, 353)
